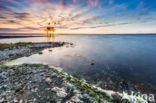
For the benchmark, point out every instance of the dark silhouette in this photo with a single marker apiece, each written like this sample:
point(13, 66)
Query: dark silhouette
point(50, 30)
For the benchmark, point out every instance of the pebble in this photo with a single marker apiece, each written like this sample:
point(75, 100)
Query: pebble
point(40, 53)
point(48, 80)
point(50, 50)
point(92, 62)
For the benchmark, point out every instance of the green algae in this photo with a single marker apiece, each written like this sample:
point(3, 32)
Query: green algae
point(11, 45)
point(125, 101)
point(86, 88)
point(68, 77)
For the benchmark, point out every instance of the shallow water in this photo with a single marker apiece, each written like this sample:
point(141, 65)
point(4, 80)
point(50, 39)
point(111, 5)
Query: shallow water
point(133, 57)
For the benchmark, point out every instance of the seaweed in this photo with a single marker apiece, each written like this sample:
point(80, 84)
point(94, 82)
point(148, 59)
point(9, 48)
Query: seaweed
point(68, 77)
point(86, 88)
point(125, 101)
point(11, 45)
point(89, 89)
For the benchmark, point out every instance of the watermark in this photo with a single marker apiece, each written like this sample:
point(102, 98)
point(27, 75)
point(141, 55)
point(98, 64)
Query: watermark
point(137, 96)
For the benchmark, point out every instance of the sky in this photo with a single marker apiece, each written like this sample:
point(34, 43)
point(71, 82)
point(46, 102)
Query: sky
point(78, 16)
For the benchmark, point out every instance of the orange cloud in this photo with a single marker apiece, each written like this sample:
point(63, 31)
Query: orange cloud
point(38, 15)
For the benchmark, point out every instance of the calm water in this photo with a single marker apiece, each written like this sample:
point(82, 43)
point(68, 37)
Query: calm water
point(133, 57)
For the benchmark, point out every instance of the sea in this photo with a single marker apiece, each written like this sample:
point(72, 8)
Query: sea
point(99, 58)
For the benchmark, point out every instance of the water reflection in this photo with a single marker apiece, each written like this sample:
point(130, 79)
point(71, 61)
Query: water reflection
point(50, 38)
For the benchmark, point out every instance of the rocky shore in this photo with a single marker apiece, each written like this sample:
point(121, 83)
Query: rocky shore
point(41, 84)
point(37, 83)
point(25, 49)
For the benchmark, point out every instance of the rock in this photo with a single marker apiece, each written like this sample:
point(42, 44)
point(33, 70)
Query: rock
point(117, 97)
point(2, 100)
point(20, 101)
point(125, 101)
point(60, 92)
point(34, 89)
point(3, 74)
point(92, 62)
point(50, 50)
point(48, 80)
point(11, 55)
point(74, 99)
point(15, 100)
point(35, 83)
point(40, 53)
point(14, 52)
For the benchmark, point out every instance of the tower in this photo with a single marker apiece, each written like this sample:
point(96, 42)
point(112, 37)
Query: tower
point(50, 30)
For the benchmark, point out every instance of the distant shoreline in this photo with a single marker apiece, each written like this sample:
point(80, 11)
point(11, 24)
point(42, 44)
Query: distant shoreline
point(19, 36)
point(43, 34)
point(4, 36)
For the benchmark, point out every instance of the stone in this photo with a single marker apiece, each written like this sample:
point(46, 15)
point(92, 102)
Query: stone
point(92, 62)
point(60, 92)
point(50, 50)
point(40, 53)
point(48, 80)
point(116, 97)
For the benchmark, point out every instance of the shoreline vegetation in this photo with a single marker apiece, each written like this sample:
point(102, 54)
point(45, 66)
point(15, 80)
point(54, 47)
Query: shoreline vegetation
point(38, 83)
point(11, 45)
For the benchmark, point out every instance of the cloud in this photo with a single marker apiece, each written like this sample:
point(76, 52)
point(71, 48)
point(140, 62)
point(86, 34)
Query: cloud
point(5, 8)
point(75, 1)
point(41, 14)
point(111, 2)
point(29, 28)
point(9, 29)
point(18, 29)
point(2, 17)
point(13, 1)
point(139, 16)
point(122, 6)
point(91, 27)
point(92, 21)
point(12, 22)
point(38, 1)
point(23, 15)
point(38, 15)
point(93, 2)
point(2, 2)
point(90, 2)
point(70, 14)
point(141, 4)
point(100, 26)
point(150, 8)
point(63, 4)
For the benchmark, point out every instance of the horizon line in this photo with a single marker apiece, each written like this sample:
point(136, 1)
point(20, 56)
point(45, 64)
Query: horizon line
point(79, 33)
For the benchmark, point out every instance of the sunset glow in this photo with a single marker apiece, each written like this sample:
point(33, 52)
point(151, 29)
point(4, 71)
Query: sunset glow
point(78, 16)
